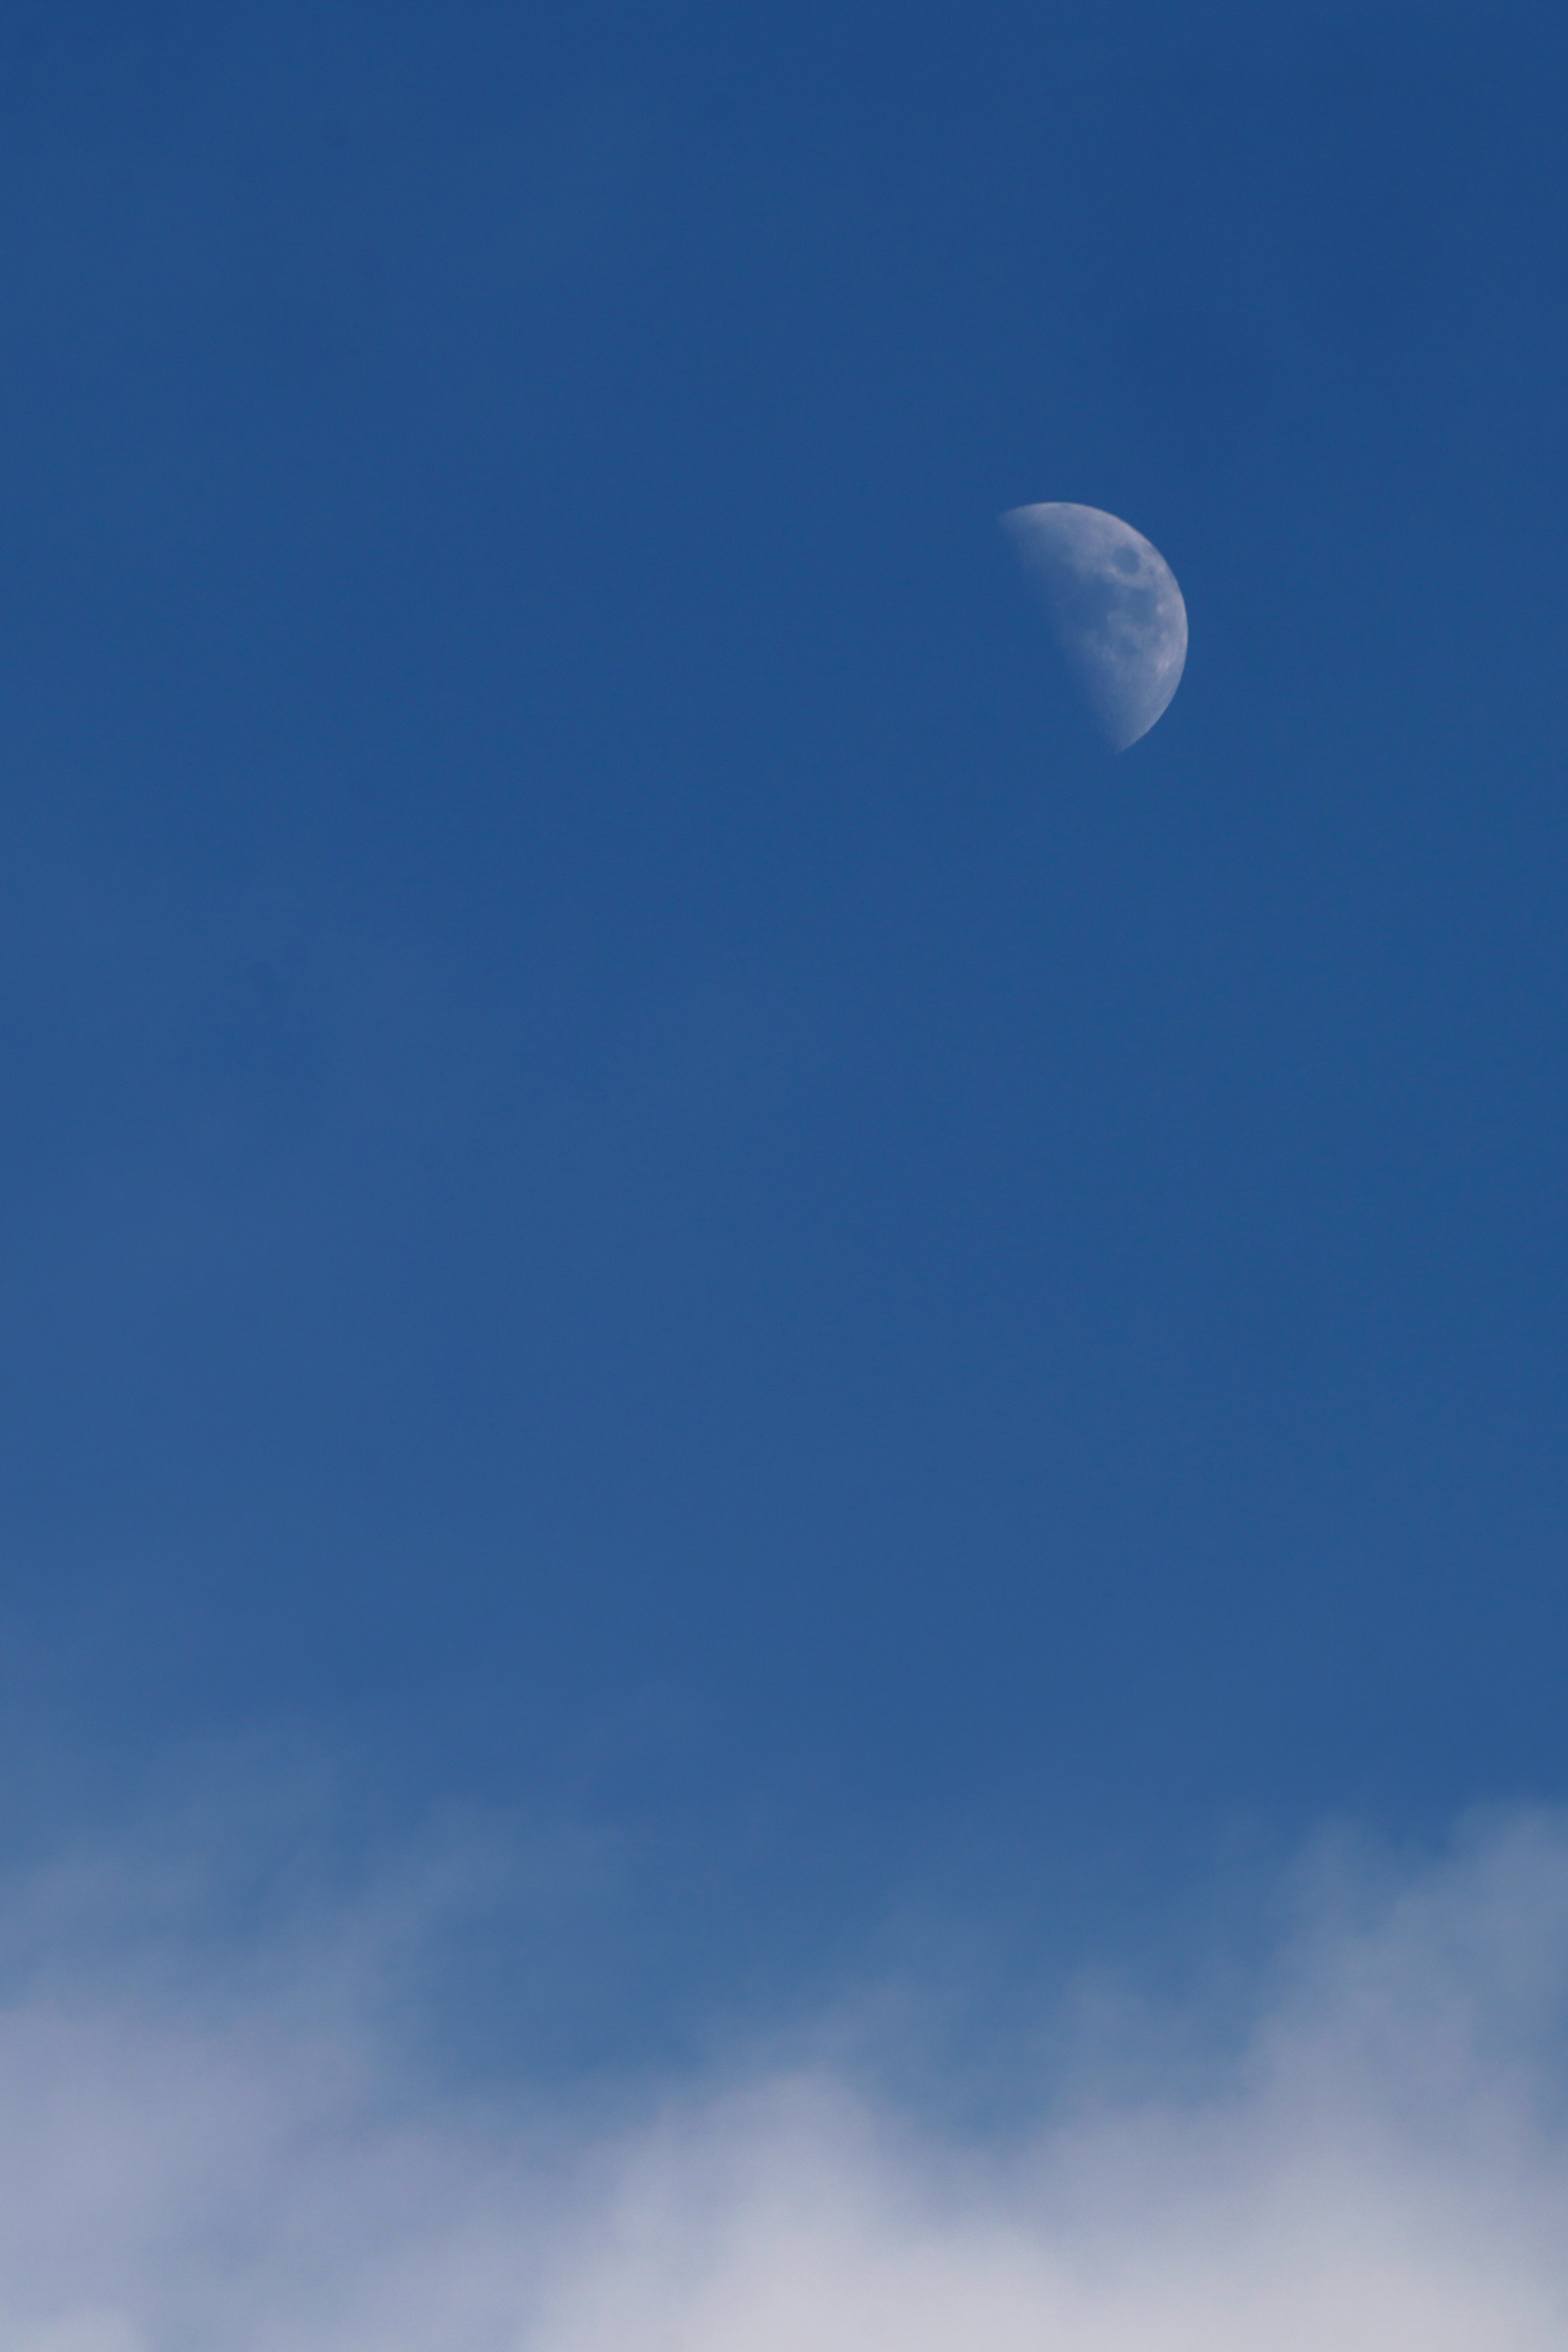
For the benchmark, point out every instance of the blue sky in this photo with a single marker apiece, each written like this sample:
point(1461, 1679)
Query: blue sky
point(649, 1208)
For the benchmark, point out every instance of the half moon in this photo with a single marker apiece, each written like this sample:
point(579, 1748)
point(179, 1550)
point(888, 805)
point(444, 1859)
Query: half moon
point(1114, 607)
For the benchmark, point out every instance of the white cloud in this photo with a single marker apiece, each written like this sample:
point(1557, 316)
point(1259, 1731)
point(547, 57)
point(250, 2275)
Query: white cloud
point(1382, 2164)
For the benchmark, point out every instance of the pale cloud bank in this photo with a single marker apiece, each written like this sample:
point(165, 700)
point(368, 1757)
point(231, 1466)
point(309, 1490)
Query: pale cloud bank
point(1380, 2165)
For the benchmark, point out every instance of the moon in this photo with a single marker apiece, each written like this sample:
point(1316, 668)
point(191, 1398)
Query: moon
point(1114, 608)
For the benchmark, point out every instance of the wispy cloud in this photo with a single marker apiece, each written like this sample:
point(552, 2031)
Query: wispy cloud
point(1380, 2161)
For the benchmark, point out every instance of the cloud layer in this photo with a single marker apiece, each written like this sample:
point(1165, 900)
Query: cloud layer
point(1379, 2160)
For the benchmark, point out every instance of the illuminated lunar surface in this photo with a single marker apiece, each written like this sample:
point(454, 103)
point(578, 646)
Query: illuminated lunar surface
point(1114, 610)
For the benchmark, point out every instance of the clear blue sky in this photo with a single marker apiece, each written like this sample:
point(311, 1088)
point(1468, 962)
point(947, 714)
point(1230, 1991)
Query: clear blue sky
point(634, 1183)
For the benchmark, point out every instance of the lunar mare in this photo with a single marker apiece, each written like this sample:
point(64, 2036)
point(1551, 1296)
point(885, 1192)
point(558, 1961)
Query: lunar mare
point(1114, 607)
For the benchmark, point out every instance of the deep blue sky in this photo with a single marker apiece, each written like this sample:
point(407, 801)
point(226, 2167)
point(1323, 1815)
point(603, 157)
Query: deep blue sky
point(633, 1180)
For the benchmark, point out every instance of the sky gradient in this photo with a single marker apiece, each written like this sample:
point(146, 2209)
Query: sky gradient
point(660, 1235)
